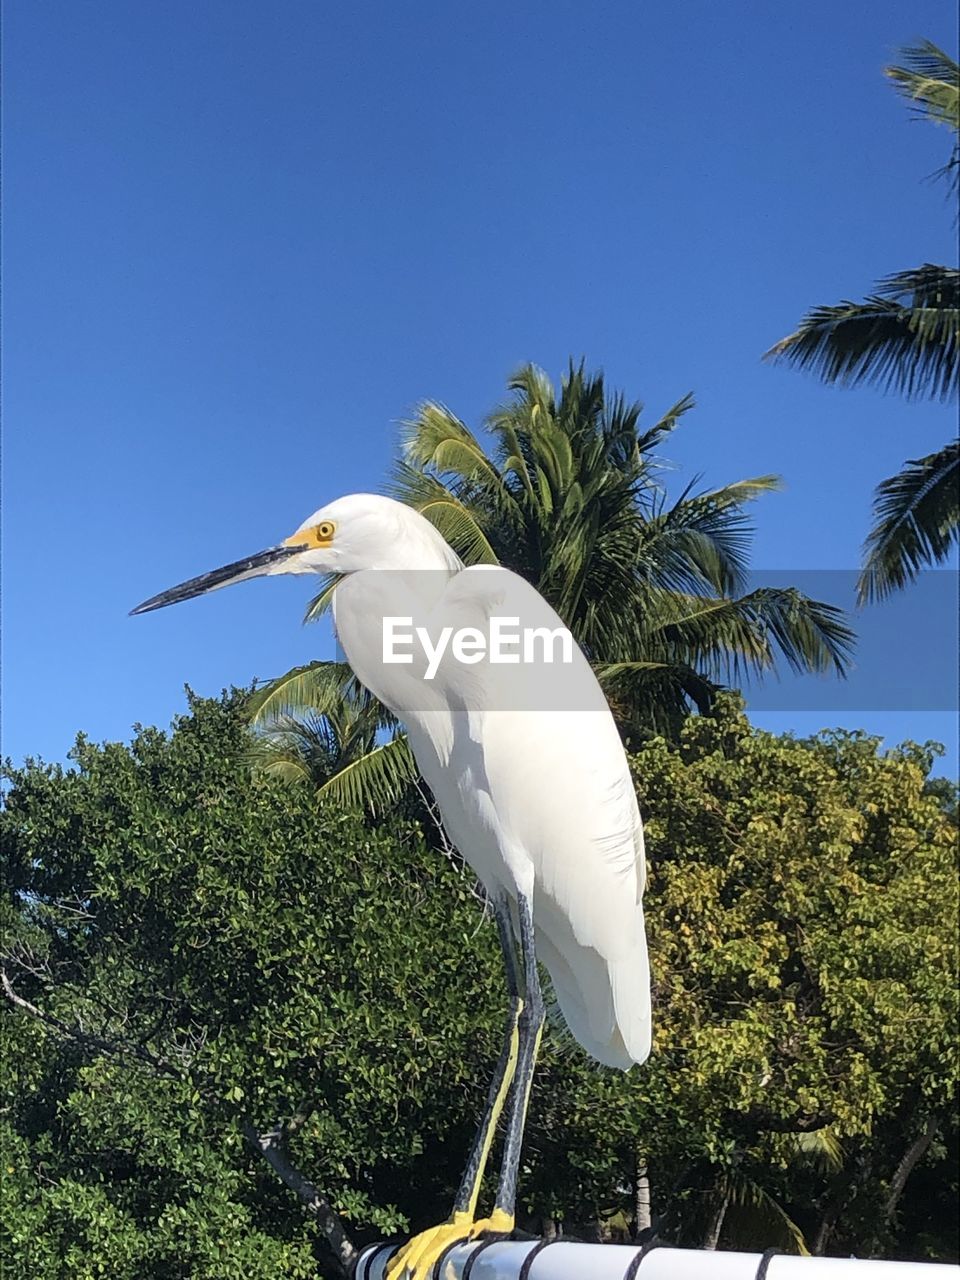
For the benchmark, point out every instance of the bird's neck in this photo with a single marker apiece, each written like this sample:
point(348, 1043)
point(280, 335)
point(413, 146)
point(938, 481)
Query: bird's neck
point(367, 607)
point(422, 551)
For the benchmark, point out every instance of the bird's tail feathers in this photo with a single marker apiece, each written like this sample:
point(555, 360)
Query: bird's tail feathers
point(630, 984)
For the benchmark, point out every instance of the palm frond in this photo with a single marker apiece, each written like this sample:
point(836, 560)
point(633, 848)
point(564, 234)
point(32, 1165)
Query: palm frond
point(376, 780)
point(607, 672)
point(715, 634)
point(279, 760)
point(322, 601)
point(318, 686)
point(741, 491)
point(293, 749)
point(532, 388)
point(457, 522)
point(928, 287)
point(657, 694)
point(910, 346)
point(732, 636)
point(930, 79)
point(669, 422)
point(760, 1215)
point(810, 635)
point(316, 724)
point(821, 1147)
point(702, 541)
point(917, 516)
point(437, 438)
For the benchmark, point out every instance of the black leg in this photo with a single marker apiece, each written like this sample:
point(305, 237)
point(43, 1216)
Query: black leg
point(466, 1201)
point(416, 1259)
point(529, 1029)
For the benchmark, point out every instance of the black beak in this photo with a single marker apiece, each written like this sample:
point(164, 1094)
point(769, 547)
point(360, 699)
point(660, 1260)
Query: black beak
point(252, 567)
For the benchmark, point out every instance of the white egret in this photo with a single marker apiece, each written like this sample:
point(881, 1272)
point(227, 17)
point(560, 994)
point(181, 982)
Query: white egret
point(532, 784)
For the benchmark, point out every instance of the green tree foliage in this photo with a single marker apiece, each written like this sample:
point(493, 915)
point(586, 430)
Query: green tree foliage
point(249, 955)
point(904, 337)
point(200, 968)
point(318, 725)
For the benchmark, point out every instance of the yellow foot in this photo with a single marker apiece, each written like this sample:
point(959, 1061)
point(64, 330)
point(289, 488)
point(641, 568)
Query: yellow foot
point(498, 1221)
point(416, 1259)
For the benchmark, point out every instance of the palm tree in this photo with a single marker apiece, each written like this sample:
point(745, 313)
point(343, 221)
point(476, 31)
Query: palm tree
point(747, 1202)
point(567, 493)
point(903, 337)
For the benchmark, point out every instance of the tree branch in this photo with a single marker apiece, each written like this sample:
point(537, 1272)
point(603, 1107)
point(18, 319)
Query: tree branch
point(298, 1119)
point(270, 1146)
point(116, 1048)
point(758, 1119)
point(911, 1158)
point(715, 1225)
point(832, 1211)
point(641, 1194)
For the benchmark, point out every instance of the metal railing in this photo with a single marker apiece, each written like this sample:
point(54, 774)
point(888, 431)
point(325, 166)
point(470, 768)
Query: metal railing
point(566, 1260)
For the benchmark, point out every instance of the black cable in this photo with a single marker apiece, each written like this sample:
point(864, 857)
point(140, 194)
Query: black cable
point(764, 1263)
point(528, 1260)
point(454, 1244)
point(494, 1237)
point(634, 1265)
point(364, 1272)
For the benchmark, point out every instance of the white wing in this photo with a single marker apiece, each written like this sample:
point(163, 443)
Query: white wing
point(533, 783)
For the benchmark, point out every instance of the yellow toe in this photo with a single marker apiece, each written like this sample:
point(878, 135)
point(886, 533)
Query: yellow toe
point(498, 1221)
point(416, 1259)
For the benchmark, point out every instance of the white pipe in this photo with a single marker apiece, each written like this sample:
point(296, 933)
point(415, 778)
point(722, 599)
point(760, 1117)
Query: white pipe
point(566, 1260)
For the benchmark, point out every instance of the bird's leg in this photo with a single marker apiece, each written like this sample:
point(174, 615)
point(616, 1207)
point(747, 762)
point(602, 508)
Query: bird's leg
point(418, 1255)
point(466, 1201)
point(530, 1029)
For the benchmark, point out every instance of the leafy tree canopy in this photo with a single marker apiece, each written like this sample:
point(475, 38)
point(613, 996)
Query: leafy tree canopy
point(198, 955)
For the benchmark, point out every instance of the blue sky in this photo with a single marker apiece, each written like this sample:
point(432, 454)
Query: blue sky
point(242, 240)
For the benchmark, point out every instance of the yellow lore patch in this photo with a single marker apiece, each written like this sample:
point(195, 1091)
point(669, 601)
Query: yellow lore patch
point(319, 535)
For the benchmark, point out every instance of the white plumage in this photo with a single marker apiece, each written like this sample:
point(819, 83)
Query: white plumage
point(527, 767)
point(524, 760)
point(529, 773)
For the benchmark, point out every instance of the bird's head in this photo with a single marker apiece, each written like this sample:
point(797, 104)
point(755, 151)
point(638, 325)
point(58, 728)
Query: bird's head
point(360, 531)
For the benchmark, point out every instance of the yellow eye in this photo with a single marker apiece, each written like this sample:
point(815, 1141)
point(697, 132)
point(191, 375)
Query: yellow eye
point(324, 530)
